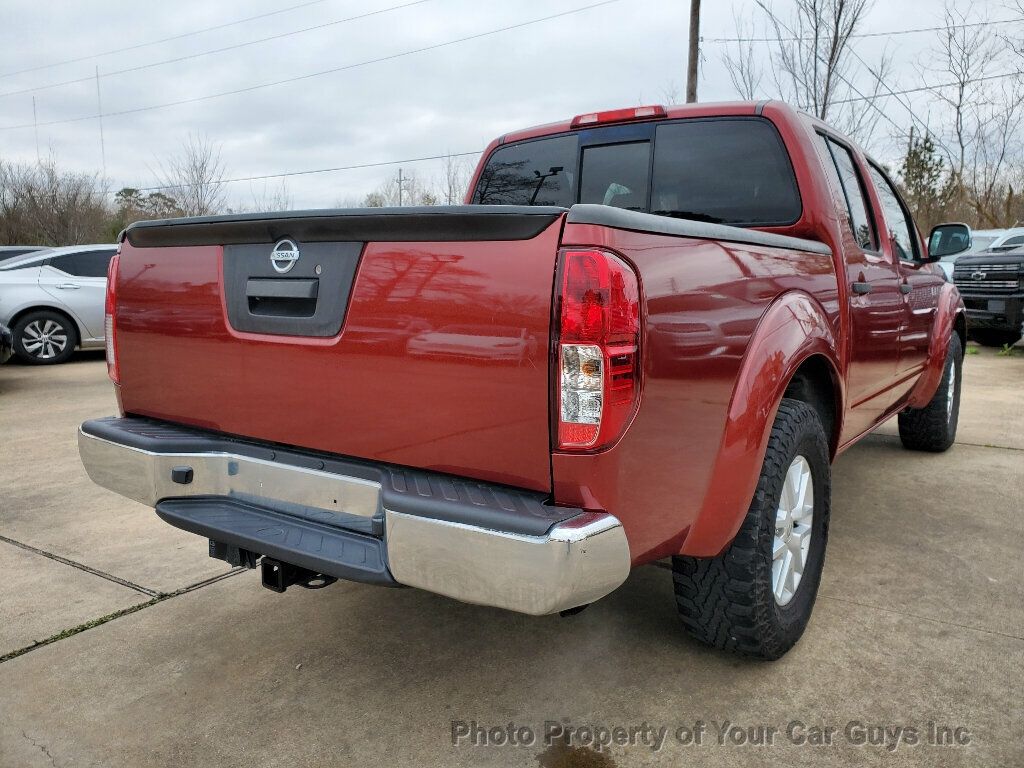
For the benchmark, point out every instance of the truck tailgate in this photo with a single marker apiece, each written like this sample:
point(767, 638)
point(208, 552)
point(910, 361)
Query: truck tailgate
point(415, 338)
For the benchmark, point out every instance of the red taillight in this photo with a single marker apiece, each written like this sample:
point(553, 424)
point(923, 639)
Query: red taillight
point(618, 116)
point(598, 349)
point(110, 319)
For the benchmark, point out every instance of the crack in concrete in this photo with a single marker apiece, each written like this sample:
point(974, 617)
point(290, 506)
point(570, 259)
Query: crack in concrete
point(81, 567)
point(42, 748)
point(98, 622)
point(957, 442)
point(909, 615)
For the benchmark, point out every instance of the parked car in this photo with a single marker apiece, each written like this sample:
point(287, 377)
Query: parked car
point(10, 251)
point(534, 481)
point(1010, 239)
point(6, 344)
point(991, 283)
point(979, 240)
point(52, 300)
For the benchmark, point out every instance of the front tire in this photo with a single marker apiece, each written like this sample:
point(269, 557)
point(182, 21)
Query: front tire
point(756, 597)
point(44, 338)
point(933, 428)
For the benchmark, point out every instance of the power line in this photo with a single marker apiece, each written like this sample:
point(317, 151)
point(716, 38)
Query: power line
point(870, 99)
point(319, 170)
point(906, 105)
point(216, 50)
point(298, 78)
point(163, 39)
point(919, 89)
point(890, 33)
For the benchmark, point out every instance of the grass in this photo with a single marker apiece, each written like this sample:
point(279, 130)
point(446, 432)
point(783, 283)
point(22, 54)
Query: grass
point(82, 627)
point(972, 350)
point(1006, 351)
point(71, 631)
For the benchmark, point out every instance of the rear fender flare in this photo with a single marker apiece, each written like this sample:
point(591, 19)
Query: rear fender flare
point(793, 329)
point(949, 307)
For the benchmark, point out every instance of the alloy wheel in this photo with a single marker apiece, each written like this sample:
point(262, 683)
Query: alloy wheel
point(793, 522)
point(45, 339)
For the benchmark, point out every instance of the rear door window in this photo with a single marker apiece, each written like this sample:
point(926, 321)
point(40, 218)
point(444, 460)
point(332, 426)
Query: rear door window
point(843, 171)
point(84, 263)
point(901, 228)
point(616, 175)
point(728, 171)
point(530, 173)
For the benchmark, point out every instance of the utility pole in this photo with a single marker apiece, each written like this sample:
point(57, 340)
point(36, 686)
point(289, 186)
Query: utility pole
point(691, 69)
point(99, 111)
point(399, 187)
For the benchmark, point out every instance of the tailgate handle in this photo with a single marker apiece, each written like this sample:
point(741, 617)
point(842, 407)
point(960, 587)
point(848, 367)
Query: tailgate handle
point(296, 288)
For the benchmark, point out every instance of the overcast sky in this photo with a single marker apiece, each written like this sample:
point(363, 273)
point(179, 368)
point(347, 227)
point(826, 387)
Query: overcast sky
point(450, 99)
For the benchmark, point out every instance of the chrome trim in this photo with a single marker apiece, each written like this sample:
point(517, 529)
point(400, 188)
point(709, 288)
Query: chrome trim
point(571, 565)
point(576, 562)
point(145, 477)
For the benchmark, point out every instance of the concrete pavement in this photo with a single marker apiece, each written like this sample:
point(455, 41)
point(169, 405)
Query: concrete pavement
point(920, 620)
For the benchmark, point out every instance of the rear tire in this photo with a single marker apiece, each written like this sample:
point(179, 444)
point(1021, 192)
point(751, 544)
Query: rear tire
point(933, 428)
point(991, 338)
point(44, 337)
point(733, 601)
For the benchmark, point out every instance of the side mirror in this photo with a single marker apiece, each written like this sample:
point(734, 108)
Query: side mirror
point(948, 240)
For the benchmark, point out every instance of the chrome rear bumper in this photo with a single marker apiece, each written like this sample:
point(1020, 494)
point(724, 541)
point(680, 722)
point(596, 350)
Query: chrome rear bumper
point(474, 542)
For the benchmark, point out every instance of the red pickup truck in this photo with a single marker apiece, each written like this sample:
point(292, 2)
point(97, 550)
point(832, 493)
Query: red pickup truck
point(645, 336)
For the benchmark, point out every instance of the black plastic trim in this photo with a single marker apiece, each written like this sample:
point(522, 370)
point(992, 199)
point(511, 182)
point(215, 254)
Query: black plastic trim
point(620, 218)
point(321, 548)
point(411, 491)
point(268, 287)
point(408, 224)
point(311, 301)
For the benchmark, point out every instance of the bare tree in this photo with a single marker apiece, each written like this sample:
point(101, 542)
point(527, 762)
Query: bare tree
point(40, 204)
point(413, 191)
point(670, 93)
point(812, 58)
point(194, 177)
point(455, 181)
point(984, 138)
point(270, 197)
point(744, 70)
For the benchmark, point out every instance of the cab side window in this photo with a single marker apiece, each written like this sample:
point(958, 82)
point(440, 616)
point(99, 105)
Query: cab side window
point(843, 174)
point(897, 220)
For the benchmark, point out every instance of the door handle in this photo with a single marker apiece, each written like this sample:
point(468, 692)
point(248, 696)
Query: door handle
point(861, 288)
point(69, 286)
point(905, 288)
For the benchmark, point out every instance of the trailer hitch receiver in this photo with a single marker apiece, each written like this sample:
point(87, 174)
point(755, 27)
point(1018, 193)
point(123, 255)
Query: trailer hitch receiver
point(278, 576)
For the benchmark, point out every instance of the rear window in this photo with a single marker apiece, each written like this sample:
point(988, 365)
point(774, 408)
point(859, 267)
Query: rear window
point(723, 170)
point(616, 174)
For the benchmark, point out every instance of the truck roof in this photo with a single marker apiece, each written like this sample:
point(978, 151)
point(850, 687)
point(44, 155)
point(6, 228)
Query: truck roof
point(706, 109)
